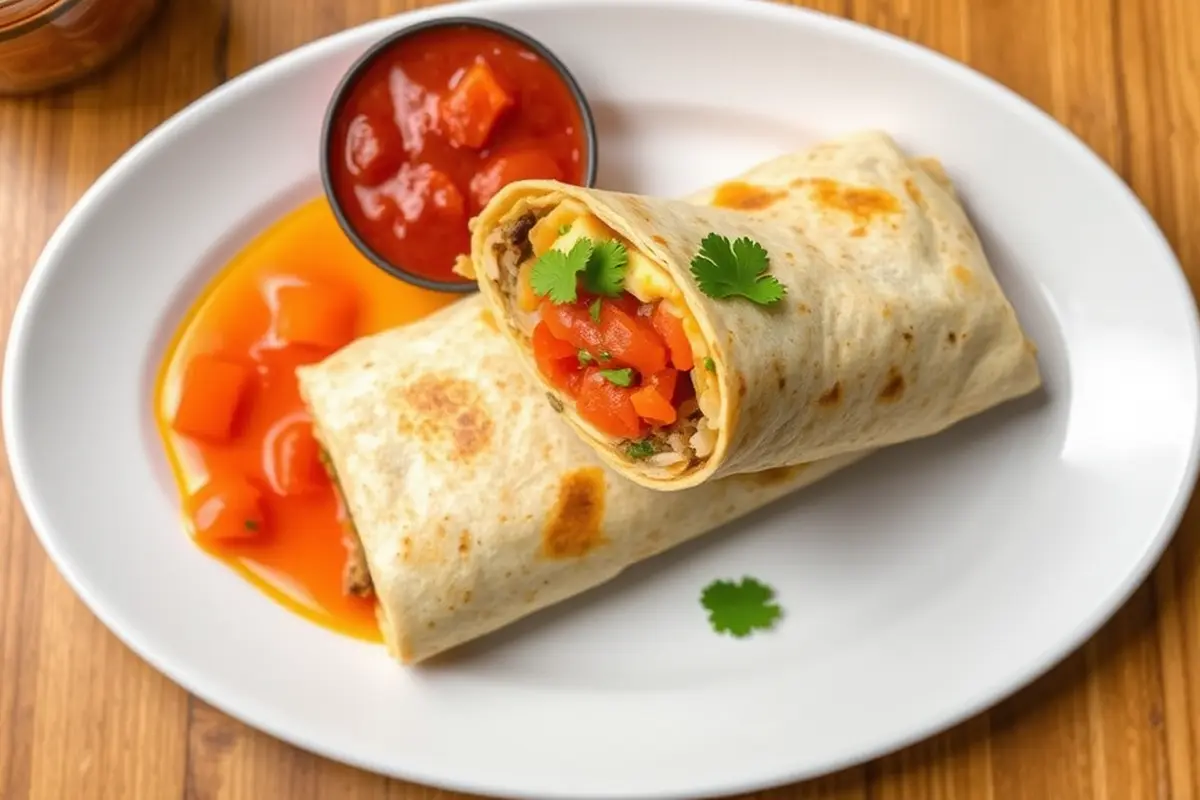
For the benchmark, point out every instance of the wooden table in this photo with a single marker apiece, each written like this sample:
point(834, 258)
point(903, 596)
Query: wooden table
point(82, 717)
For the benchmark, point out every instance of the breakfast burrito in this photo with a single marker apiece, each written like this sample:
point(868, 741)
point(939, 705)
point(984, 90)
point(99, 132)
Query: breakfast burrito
point(472, 504)
point(827, 301)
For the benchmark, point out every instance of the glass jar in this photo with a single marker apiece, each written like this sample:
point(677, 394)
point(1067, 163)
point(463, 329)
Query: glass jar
point(45, 43)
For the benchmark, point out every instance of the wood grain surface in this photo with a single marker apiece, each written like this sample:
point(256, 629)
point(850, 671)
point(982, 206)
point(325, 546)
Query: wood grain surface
point(83, 717)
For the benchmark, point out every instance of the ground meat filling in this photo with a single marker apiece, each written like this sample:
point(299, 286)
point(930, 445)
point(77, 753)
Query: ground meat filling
point(669, 445)
point(513, 249)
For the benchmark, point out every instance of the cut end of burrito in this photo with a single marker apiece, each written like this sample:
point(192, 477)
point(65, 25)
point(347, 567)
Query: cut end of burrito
point(631, 361)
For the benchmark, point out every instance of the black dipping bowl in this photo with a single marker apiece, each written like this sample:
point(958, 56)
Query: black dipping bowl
point(367, 59)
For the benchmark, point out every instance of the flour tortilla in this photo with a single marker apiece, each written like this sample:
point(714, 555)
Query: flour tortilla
point(474, 504)
point(893, 327)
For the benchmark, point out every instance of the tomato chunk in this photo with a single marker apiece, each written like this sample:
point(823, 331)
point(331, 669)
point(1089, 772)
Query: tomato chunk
point(670, 328)
point(607, 406)
point(557, 360)
point(210, 396)
point(374, 149)
point(472, 108)
point(292, 458)
point(653, 399)
point(572, 323)
point(631, 340)
point(226, 509)
point(503, 170)
point(318, 315)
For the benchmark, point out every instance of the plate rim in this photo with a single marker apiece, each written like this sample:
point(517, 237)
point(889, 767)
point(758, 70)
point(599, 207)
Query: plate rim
point(826, 25)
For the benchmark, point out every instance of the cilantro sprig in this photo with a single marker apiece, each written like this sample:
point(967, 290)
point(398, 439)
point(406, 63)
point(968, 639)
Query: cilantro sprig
point(740, 608)
point(556, 274)
point(736, 269)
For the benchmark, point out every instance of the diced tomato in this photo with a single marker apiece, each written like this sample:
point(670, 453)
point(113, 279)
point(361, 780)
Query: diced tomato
point(473, 106)
point(624, 301)
point(374, 149)
point(572, 323)
point(670, 328)
point(504, 169)
point(653, 399)
point(319, 315)
point(558, 361)
point(210, 397)
point(225, 510)
point(292, 458)
point(631, 340)
point(607, 406)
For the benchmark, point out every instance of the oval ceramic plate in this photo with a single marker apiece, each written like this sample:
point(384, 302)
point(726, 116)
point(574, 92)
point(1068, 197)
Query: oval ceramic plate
point(919, 586)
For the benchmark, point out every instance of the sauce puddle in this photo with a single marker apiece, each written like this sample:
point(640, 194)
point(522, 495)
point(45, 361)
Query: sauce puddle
point(252, 491)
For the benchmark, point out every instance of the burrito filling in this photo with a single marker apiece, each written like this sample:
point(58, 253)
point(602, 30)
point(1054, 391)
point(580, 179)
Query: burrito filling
point(619, 341)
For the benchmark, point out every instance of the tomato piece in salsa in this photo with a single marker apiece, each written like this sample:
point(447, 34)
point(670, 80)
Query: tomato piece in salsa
point(433, 127)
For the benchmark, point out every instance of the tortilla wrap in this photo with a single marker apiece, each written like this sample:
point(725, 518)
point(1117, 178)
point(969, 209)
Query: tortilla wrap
point(473, 504)
point(893, 326)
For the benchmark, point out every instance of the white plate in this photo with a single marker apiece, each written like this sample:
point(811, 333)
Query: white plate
point(919, 586)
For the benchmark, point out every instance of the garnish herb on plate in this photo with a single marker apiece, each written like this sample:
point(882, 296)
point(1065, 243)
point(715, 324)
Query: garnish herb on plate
point(740, 608)
point(619, 377)
point(738, 269)
point(555, 273)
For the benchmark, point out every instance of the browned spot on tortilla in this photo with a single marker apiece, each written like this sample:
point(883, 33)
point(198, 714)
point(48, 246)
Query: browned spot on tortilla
point(803, 308)
point(962, 275)
point(487, 319)
point(914, 193)
point(406, 546)
point(858, 232)
point(832, 396)
point(574, 527)
point(442, 409)
point(741, 385)
point(952, 337)
point(658, 240)
point(894, 388)
point(768, 477)
point(907, 336)
point(464, 544)
point(466, 597)
point(864, 203)
point(745, 196)
point(780, 373)
point(887, 311)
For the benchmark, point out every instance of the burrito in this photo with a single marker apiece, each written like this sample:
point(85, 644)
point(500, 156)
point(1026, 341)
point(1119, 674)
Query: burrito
point(472, 504)
point(825, 302)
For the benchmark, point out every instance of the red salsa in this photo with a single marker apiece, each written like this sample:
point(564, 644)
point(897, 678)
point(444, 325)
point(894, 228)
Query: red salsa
point(435, 126)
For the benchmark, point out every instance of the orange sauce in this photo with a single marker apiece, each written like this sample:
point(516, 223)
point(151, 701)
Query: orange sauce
point(294, 547)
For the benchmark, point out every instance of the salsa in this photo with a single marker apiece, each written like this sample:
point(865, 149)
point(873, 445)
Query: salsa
point(435, 126)
point(254, 490)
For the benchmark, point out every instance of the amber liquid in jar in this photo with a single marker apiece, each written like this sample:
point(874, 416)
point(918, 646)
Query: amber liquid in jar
point(46, 43)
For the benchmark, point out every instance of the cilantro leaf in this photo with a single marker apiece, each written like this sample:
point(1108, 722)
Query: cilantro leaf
point(251, 524)
point(621, 377)
point(554, 273)
point(642, 448)
point(605, 273)
point(585, 358)
point(739, 608)
point(594, 310)
point(722, 269)
point(709, 364)
point(605, 355)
